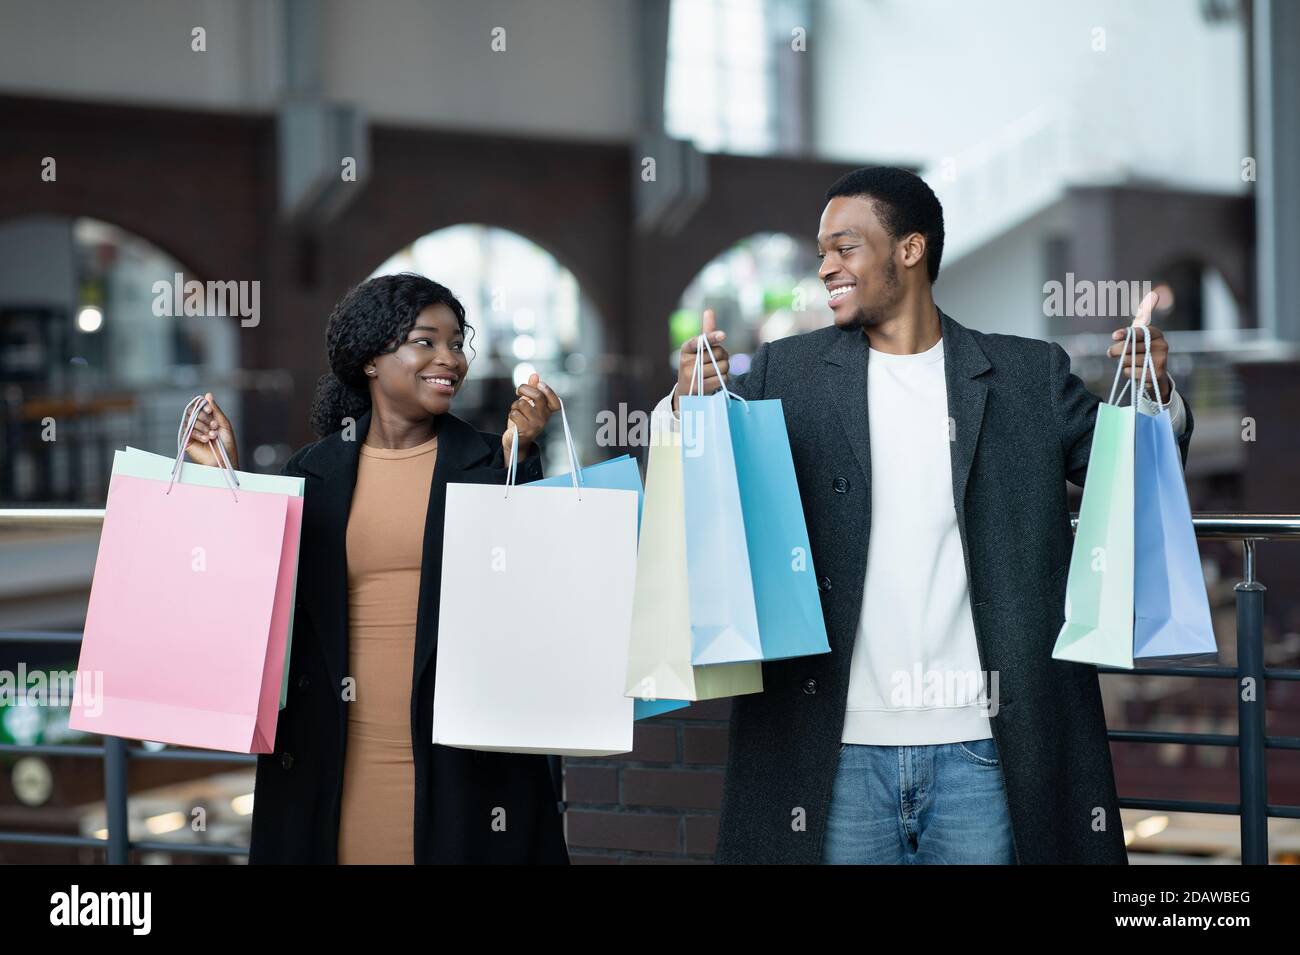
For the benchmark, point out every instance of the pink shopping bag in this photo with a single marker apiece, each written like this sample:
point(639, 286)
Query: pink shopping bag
point(188, 618)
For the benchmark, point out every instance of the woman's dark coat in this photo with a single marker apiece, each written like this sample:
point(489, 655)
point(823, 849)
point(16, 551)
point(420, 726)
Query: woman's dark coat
point(461, 796)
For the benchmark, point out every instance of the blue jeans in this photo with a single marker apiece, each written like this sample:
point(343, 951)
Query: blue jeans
point(895, 805)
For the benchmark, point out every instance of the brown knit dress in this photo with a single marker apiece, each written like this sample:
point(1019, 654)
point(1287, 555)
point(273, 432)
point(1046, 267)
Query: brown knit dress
point(385, 545)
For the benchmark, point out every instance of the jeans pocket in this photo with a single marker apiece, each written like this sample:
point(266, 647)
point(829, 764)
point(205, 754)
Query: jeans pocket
point(981, 752)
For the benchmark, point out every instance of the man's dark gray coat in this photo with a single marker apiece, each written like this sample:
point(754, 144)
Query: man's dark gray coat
point(1021, 426)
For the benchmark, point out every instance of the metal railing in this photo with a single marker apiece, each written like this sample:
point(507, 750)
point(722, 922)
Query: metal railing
point(1251, 740)
point(1250, 673)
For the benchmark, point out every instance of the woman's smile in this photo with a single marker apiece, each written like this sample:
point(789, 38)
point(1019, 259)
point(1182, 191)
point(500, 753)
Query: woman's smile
point(442, 382)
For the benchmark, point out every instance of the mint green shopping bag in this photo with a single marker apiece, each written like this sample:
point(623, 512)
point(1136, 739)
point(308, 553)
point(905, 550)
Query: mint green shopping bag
point(1099, 590)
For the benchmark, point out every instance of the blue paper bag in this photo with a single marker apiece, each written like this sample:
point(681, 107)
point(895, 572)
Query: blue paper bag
point(724, 619)
point(786, 598)
point(1170, 606)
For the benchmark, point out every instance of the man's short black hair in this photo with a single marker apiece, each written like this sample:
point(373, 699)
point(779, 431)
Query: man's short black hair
point(903, 202)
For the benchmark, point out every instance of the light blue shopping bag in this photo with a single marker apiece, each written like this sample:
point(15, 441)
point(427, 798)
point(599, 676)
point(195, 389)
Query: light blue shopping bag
point(1170, 606)
point(724, 618)
point(619, 474)
point(786, 598)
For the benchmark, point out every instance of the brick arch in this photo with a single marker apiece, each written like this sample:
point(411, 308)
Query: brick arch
point(566, 203)
point(806, 238)
point(1234, 277)
point(538, 241)
point(599, 318)
point(184, 181)
point(697, 248)
point(747, 195)
point(1134, 230)
point(186, 266)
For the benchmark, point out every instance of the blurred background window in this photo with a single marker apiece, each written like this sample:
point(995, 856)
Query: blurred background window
point(86, 363)
point(763, 288)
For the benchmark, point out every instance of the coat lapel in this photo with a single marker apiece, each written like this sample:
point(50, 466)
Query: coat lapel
point(846, 383)
point(963, 361)
point(334, 461)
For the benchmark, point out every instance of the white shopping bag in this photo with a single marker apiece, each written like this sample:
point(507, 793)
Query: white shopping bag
point(535, 619)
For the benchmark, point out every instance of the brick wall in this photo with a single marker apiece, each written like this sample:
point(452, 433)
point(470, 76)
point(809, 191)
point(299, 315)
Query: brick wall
point(658, 803)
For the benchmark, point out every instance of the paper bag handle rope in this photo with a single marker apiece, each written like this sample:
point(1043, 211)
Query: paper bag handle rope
point(701, 345)
point(190, 418)
point(1119, 366)
point(1147, 365)
point(574, 474)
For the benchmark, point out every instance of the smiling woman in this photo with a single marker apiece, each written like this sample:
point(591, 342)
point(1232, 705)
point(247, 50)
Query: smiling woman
point(530, 316)
point(396, 333)
point(369, 583)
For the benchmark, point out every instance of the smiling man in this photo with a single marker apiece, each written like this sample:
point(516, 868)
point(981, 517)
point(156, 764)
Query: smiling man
point(932, 462)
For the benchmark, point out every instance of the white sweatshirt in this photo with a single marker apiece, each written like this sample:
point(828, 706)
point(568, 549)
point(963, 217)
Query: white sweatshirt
point(915, 676)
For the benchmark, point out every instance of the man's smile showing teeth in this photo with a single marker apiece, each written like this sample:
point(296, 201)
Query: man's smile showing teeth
point(840, 291)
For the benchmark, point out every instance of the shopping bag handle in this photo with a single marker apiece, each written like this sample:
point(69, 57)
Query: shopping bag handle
point(701, 345)
point(1138, 380)
point(190, 418)
point(575, 471)
point(1119, 366)
point(183, 442)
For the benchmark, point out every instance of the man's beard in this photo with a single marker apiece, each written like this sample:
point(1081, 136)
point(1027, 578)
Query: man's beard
point(891, 292)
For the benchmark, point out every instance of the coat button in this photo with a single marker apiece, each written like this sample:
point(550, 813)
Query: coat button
point(810, 686)
point(286, 760)
point(304, 681)
point(841, 485)
point(824, 583)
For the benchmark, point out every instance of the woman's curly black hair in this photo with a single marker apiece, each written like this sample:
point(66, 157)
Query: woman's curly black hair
point(373, 318)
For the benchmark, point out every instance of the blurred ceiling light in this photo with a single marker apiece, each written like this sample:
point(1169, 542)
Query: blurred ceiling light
point(521, 373)
point(242, 805)
point(716, 275)
point(524, 347)
point(1151, 826)
point(101, 834)
point(90, 319)
point(1164, 298)
point(165, 822)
